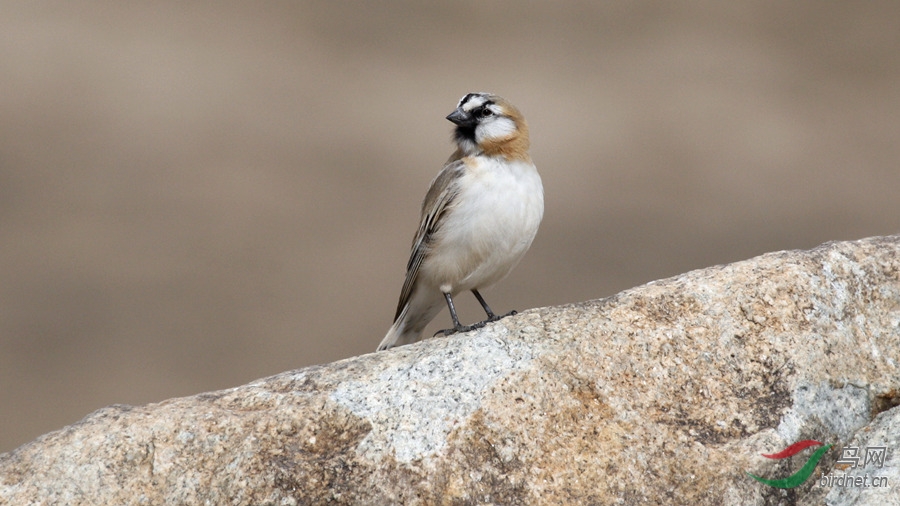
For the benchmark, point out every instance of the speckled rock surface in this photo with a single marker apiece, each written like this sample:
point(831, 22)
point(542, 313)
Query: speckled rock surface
point(664, 394)
point(884, 432)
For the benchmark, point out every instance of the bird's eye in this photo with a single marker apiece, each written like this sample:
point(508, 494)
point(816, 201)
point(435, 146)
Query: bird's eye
point(485, 113)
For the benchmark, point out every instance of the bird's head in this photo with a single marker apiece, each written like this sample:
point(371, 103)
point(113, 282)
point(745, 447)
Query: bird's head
point(488, 124)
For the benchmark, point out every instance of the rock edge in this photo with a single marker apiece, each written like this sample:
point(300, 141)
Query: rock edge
point(667, 393)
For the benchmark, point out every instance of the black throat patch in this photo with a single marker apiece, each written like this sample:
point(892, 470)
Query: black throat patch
point(462, 134)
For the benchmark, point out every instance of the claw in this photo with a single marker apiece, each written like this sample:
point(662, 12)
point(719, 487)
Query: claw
point(495, 318)
point(459, 329)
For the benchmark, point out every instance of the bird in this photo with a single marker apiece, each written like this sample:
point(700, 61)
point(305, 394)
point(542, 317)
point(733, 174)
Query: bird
point(479, 217)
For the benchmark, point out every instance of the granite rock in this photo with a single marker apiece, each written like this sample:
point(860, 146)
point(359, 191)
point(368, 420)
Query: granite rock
point(668, 393)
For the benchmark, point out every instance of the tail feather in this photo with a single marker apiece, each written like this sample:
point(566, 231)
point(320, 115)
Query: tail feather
point(397, 337)
point(399, 334)
point(412, 320)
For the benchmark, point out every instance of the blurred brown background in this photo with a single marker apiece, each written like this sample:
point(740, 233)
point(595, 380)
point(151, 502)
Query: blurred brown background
point(195, 196)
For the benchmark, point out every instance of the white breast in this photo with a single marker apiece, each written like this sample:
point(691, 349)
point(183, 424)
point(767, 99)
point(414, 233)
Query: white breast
point(490, 227)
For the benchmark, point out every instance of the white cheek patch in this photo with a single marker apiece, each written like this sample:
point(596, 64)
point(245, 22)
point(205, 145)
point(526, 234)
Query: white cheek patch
point(494, 129)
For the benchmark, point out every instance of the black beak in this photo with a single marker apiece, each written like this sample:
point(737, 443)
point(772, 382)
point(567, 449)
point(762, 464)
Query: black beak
point(462, 118)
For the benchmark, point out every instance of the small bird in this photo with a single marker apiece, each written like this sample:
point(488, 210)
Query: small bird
point(479, 217)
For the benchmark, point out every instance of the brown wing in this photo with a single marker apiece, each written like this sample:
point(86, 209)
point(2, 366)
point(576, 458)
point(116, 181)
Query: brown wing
point(437, 201)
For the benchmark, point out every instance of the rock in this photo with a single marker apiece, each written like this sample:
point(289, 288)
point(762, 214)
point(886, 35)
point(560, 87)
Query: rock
point(884, 431)
point(668, 393)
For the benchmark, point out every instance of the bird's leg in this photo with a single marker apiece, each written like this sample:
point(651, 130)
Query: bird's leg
point(491, 317)
point(457, 327)
point(487, 309)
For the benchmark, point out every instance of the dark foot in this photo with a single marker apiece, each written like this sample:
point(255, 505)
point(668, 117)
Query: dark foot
point(458, 329)
point(500, 317)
